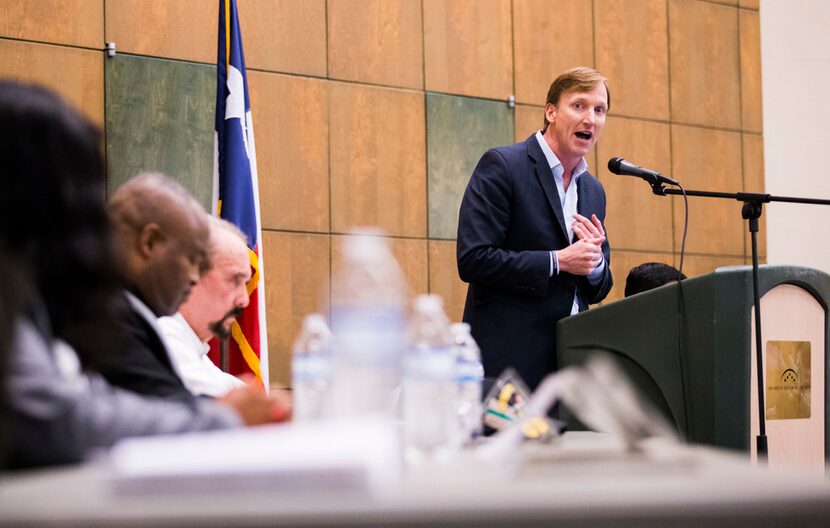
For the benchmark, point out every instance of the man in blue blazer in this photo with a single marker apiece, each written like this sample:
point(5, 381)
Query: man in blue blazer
point(531, 235)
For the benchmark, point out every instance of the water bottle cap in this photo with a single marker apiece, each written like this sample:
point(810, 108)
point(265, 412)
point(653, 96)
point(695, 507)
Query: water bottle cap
point(316, 324)
point(429, 303)
point(460, 328)
point(365, 244)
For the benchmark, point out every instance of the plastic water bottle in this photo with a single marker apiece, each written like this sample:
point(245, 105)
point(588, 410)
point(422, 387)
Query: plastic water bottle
point(429, 395)
point(469, 375)
point(312, 370)
point(368, 323)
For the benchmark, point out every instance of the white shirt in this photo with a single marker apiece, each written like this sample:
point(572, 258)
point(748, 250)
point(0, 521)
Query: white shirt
point(189, 356)
point(568, 198)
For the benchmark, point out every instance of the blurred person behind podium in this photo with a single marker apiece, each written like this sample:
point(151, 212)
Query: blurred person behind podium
point(531, 239)
point(211, 309)
point(56, 233)
point(650, 275)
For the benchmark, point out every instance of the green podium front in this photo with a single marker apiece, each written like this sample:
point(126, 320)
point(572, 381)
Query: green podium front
point(688, 348)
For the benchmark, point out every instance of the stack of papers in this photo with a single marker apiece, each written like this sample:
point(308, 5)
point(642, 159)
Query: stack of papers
point(358, 456)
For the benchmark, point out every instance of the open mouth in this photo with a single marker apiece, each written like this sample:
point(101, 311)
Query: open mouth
point(584, 135)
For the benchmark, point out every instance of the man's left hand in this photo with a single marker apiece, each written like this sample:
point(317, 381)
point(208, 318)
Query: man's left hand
point(589, 230)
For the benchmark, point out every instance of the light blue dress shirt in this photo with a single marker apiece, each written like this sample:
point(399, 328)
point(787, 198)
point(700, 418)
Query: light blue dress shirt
point(568, 198)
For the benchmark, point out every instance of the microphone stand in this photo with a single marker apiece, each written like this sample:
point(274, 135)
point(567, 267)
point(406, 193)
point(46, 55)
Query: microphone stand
point(753, 206)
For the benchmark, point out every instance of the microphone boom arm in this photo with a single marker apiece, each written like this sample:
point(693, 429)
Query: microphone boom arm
point(756, 198)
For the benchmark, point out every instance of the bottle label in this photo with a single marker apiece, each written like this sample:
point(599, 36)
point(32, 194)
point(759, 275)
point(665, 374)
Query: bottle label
point(468, 370)
point(368, 335)
point(310, 367)
point(429, 364)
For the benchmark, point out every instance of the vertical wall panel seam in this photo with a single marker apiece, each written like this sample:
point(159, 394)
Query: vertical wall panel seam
point(675, 249)
point(594, 60)
point(513, 58)
point(423, 51)
point(329, 164)
point(426, 143)
point(746, 236)
point(104, 89)
point(594, 31)
point(326, 35)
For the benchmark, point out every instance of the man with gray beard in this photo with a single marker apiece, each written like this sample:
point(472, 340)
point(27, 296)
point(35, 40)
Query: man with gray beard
point(214, 303)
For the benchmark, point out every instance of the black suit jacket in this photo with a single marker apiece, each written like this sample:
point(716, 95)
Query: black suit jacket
point(142, 364)
point(510, 219)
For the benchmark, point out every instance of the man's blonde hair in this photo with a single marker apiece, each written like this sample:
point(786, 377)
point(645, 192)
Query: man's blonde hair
point(580, 79)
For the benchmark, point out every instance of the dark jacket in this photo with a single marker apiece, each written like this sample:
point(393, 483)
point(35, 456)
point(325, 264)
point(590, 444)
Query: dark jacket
point(142, 363)
point(510, 219)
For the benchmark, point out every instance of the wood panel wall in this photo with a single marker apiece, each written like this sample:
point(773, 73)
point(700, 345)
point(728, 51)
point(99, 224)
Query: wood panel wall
point(371, 112)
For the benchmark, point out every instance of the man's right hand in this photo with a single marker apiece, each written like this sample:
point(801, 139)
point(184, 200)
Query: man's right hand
point(580, 258)
point(255, 407)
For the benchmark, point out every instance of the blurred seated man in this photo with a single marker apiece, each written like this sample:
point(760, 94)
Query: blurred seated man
point(214, 303)
point(56, 238)
point(650, 275)
point(162, 236)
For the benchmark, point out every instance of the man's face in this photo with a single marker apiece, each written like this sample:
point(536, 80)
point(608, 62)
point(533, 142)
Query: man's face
point(177, 260)
point(222, 292)
point(576, 122)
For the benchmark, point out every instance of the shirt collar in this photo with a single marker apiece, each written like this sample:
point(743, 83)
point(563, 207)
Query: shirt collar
point(144, 311)
point(204, 348)
point(139, 306)
point(553, 161)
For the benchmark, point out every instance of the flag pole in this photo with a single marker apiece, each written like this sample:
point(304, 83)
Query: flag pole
point(223, 355)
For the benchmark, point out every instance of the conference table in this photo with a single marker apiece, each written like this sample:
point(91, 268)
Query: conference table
point(580, 479)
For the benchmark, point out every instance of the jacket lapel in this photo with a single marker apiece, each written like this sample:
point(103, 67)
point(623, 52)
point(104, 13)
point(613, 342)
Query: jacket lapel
point(155, 344)
point(545, 176)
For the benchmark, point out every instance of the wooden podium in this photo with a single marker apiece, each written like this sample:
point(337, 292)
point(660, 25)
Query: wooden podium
point(689, 348)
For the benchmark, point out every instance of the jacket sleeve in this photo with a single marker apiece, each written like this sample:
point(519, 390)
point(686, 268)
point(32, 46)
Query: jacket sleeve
point(56, 419)
point(483, 223)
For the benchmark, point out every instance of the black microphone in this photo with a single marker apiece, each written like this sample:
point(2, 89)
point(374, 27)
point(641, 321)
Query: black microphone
point(624, 168)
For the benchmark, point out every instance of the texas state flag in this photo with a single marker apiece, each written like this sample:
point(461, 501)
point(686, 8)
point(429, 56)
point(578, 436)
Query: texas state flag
point(235, 191)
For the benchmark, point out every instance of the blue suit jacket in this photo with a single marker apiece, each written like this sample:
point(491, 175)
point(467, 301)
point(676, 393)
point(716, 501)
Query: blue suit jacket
point(510, 219)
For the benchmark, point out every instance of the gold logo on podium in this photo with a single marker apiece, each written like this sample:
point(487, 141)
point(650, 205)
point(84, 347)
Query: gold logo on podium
point(788, 380)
